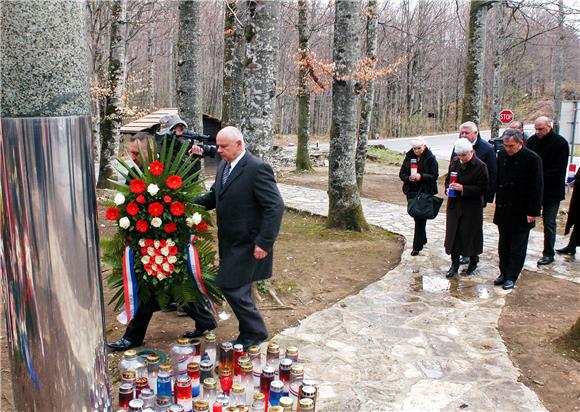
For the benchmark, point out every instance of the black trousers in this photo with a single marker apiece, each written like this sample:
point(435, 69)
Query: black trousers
point(512, 248)
point(137, 328)
point(251, 323)
point(420, 235)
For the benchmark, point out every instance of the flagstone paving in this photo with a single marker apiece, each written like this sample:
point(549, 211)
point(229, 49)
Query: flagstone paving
point(415, 341)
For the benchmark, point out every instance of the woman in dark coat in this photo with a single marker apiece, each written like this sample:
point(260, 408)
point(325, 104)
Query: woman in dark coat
point(573, 219)
point(425, 180)
point(464, 227)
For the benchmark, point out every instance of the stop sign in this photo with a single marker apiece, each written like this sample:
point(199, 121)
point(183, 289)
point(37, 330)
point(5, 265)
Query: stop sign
point(506, 116)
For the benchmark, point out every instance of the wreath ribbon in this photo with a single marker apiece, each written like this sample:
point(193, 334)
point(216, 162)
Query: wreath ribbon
point(195, 271)
point(129, 287)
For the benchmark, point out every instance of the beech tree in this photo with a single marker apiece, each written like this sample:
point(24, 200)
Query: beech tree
point(303, 95)
point(473, 89)
point(234, 50)
point(261, 70)
point(110, 128)
point(189, 61)
point(501, 19)
point(345, 209)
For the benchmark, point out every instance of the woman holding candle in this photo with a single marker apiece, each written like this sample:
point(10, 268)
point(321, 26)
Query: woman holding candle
point(466, 184)
point(419, 172)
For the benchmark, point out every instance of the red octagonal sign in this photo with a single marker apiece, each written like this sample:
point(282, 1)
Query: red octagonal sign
point(506, 116)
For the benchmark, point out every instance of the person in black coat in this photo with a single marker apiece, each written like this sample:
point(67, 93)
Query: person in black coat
point(249, 211)
point(486, 153)
point(553, 149)
point(425, 180)
point(573, 219)
point(518, 201)
point(464, 226)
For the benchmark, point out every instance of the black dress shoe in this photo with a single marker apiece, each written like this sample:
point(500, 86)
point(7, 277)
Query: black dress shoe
point(414, 253)
point(452, 271)
point(470, 269)
point(568, 250)
point(122, 345)
point(500, 280)
point(509, 284)
point(464, 260)
point(545, 260)
point(196, 333)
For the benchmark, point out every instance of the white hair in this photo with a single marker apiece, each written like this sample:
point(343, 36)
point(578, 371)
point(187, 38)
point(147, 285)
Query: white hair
point(462, 146)
point(469, 125)
point(418, 141)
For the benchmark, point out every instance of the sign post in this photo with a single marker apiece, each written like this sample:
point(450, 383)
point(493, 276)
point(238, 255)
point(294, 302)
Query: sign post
point(506, 116)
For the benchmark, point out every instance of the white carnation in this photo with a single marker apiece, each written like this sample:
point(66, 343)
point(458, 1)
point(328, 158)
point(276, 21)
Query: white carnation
point(196, 218)
point(150, 251)
point(189, 221)
point(142, 242)
point(172, 259)
point(145, 260)
point(152, 189)
point(166, 267)
point(156, 222)
point(124, 222)
point(165, 251)
point(119, 199)
point(159, 259)
point(170, 242)
point(154, 267)
point(161, 276)
point(156, 243)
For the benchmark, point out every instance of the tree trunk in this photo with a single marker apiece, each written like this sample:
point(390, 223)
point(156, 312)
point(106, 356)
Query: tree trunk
point(559, 69)
point(345, 210)
point(498, 52)
point(367, 99)
point(234, 49)
point(113, 115)
point(189, 61)
point(303, 131)
point(151, 71)
point(473, 89)
point(261, 72)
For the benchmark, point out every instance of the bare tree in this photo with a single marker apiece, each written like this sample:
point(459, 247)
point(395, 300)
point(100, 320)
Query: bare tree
point(559, 70)
point(111, 123)
point(189, 93)
point(368, 93)
point(234, 49)
point(261, 64)
point(501, 19)
point(303, 123)
point(345, 209)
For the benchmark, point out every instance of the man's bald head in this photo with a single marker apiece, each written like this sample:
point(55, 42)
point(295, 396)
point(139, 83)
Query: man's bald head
point(230, 142)
point(543, 126)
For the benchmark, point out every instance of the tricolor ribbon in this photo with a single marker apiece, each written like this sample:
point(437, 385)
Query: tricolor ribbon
point(195, 271)
point(129, 287)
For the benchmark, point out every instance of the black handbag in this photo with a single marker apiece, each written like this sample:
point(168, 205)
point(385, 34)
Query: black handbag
point(424, 205)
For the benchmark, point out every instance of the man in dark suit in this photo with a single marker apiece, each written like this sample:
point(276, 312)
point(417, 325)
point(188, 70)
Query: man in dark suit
point(249, 211)
point(518, 201)
point(486, 153)
point(553, 149)
point(137, 327)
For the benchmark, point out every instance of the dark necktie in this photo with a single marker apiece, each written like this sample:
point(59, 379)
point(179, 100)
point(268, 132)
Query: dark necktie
point(226, 173)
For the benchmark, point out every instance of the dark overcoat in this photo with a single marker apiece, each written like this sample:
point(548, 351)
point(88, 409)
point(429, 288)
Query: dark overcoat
point(464, 226)
point(249, 211)
point(554, 150)
point(519, 193)
point(428, 168)
point(574, 209)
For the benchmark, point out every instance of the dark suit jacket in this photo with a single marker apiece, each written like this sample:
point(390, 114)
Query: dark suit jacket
point(520, 185)
point(249, 211)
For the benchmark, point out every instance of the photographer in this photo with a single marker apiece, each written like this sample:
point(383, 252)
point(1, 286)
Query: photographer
point(173, 126)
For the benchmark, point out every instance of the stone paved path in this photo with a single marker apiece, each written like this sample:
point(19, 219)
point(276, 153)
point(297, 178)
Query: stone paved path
point(414, 341)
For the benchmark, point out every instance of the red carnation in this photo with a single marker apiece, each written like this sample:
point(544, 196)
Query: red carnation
point(155, 209)
point(149, 242)
point(171, 267)
point(170, 227)
point(112, 213)
point(132, 209)
point(174, 182)
point(172, 250)
point(162, 243)
point(177, 208)
point(202, 226)
point(137, 186)
point(167, 199)
point(156, 168)
point(142, 226)
point(143, 251)
point(140, 199)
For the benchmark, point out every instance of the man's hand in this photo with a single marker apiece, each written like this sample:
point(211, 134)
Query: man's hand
point(259, 253)
point(198, 150)
point(531, 219)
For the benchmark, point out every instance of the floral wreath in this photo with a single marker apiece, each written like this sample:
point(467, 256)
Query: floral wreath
point(162, 249)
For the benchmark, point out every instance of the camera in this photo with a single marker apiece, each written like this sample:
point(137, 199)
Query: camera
point(191, 138)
